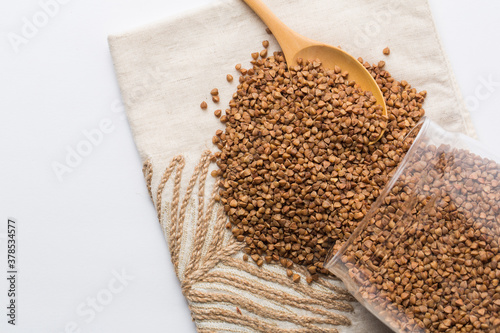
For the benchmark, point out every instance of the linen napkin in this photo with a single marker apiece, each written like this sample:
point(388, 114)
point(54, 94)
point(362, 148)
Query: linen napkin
point(167, 69)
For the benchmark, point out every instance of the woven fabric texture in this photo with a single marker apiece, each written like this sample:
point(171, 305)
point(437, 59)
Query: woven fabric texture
point(165, 70)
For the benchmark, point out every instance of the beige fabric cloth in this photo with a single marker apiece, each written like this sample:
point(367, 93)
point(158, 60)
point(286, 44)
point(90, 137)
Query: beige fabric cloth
point(167, 69)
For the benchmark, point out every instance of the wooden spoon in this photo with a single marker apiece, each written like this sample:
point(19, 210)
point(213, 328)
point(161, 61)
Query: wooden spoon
point(296, 46)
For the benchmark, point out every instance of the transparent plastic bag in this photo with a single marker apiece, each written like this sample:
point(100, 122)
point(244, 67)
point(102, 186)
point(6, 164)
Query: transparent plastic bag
point(426, 257)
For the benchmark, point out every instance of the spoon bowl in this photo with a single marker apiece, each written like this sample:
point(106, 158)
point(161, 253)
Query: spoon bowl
point(331, 56)
point(296, 46)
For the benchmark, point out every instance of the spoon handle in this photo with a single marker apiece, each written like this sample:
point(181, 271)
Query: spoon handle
point(288, 39)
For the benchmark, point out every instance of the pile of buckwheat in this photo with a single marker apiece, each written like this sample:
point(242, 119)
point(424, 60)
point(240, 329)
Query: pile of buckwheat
point(298, 170)
point(429, 258)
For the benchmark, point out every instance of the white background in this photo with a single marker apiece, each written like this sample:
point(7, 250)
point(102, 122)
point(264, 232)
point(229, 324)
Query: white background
point(77, 233)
